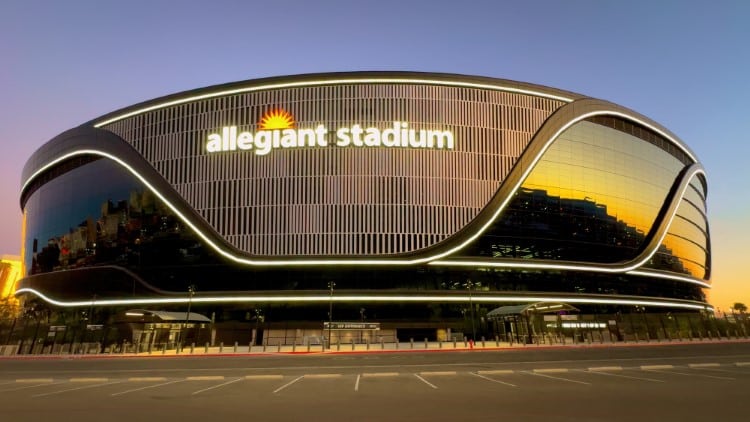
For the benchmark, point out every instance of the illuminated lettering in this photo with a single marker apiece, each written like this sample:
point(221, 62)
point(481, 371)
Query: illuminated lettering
point(262, 142)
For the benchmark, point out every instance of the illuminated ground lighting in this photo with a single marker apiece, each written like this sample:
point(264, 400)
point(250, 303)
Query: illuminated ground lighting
point(325, 298)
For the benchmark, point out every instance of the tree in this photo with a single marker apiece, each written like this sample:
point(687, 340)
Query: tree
point(739, 307)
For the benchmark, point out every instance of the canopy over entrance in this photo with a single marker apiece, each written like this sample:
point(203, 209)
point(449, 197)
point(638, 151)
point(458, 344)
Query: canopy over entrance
point(166, 316)
point(531, 308)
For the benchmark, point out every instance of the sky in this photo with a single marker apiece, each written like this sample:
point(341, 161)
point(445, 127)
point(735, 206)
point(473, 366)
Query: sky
point(685, 64)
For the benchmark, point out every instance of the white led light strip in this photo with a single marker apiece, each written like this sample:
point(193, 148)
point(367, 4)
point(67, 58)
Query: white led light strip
point(627, 269)
point(432, 260)
point(331, 82)
point(325, 298)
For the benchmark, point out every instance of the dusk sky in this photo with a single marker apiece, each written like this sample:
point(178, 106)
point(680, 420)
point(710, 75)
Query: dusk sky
point(684, 64)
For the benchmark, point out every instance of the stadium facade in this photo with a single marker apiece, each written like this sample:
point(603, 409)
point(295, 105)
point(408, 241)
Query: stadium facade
point(402, 196)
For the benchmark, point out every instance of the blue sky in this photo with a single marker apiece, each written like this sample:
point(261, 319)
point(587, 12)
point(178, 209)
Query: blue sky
point(684, 64)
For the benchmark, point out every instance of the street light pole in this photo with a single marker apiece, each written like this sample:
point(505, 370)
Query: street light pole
point(331, 284)
point(469, 285)
point(191, 292)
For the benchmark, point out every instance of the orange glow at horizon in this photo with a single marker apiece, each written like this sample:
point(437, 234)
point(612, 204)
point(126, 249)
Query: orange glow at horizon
point(276, 119)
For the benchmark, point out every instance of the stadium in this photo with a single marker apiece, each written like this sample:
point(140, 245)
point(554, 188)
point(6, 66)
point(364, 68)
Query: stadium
point(418, 201)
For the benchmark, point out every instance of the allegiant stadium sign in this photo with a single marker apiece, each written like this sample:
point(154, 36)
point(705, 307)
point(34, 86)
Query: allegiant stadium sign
point(277, 132)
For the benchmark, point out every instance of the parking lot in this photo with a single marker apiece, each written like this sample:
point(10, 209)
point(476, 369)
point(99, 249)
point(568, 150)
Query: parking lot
point(695, 389)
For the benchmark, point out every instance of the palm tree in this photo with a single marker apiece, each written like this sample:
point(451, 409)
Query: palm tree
point(739, 307)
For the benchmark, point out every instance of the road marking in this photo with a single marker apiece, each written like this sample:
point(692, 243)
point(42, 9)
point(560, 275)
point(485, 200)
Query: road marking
point(32, 386)
point(34, 380)
point(556, 378)
point(493, 380)
point(206, 378)
point(379, 374)
point(437, 373)
point(691, 375)
point(656, 367)
point(496, 372)
point(75, 389)
point(216, 386)
point(356, 384)
point(704, 365)
point(146, 379)
point(425, 381)
point(625, 376)
point(264, 377)
point(718, 370)
point(742, 363)
point(321, 376)
point(551, 370)
point(288, 384)
point(89, 379)
point(146, 387)
point(606, 368)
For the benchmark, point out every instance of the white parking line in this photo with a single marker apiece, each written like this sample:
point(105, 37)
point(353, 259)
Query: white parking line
point(356, 384)
point(89, 379)
point(216, 386)
point(146, 387)
point(288, 384)
point(690, 375)
point(75, 389)
point(538, 374)
point(598, 372)
point(32, 386)
point(437, 373)
point(492, 379)
point(146, 379)
point(425, 381)
point(35, 380)
point(742, 363)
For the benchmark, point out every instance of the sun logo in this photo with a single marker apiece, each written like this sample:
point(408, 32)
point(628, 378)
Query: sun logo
point(276, 119)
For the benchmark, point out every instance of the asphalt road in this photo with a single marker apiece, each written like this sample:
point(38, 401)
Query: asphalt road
point(666, 382)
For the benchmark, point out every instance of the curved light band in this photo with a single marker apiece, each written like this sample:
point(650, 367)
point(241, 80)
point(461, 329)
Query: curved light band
point(330, 82)
point(630, 269)
point(325, 298)
point(431, 260)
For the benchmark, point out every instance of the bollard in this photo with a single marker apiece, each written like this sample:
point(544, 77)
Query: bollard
point(352, 344)
point(397, 344)
point(308, 346)
point(482, 342)
point(636, 337)
point(440, 344)
point(411, 340)
point(367, 344)
point(465, 345)
point(700, 335)
point(164, 349)
point(454, 342)
point(708, 334)
point(205, 349)
point(192, 348)
point(294, 346)
point(278, 347)
point(497, 341)
point(338, 345)
point(235, 347)
point(382, 345)
point(221, 347)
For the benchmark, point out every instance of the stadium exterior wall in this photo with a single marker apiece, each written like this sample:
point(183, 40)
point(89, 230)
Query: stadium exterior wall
point(412, 193)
